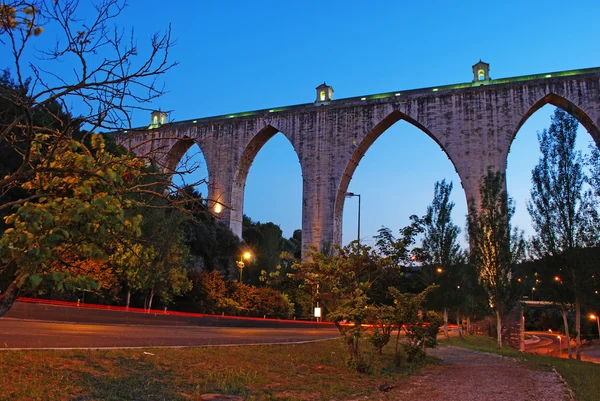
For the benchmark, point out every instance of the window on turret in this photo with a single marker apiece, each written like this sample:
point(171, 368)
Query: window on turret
point(163, 119)
point(481, 75)
point(322, 96)
point(155, 120)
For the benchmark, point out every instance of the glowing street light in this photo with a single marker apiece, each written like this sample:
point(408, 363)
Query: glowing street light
point(439, 270)
point(594, 317)
point(560, 345)
point(350, 195)
point(240, 263)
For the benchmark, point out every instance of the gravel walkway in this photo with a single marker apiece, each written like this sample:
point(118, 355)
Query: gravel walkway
point(466, 375)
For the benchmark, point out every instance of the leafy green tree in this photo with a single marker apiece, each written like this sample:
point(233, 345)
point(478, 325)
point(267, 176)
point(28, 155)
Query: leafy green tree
point(495, 249)
point(342, 280)
point(407, 315)
point(167, 265)
point(560, 213)
point(473, 296)
point(78, 214)
point(397, 267)
point(64, 191)
point(399, 251)
point(441, 253)
point(268, 244)
point(440, 235)
point(213, 246)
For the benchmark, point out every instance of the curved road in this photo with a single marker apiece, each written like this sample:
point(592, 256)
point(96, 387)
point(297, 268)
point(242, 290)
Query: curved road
point(32, 326)
point(24, 334)
point(549, 344)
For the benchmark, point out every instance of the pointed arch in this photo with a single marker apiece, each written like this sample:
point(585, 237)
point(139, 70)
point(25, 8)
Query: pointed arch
point(566, 105)
point(176, 154)
point(359, 153)
point(241, 174)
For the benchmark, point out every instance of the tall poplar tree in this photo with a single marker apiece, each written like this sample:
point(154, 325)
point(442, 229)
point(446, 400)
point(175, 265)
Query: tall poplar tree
point(441, 250)
point(559, 208)
point(495, 249)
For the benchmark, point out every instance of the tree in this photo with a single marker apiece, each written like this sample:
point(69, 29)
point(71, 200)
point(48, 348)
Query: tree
point(268, 244)
point(342, 280)
point(440, 251)
point(560, 210)
point(213, 246)
point(168, 256)
point(495, 250)
point(440, 235)
point(71, 215)
point(398, 256)
point(64, 191)
point(407, 315)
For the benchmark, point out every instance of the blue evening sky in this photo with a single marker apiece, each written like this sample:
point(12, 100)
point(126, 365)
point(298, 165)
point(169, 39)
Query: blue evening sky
point(237, 56)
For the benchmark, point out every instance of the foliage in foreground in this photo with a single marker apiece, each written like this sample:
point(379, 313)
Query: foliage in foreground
point(66, 195)
point(342, 281)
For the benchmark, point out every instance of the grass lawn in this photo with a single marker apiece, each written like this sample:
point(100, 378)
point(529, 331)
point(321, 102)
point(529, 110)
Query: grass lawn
point(582, 377)
point(316, 371)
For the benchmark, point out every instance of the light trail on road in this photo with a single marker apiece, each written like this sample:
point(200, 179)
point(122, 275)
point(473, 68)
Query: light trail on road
point(27, 334)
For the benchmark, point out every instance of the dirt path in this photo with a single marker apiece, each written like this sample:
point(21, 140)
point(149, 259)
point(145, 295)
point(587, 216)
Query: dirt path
point(466, 375)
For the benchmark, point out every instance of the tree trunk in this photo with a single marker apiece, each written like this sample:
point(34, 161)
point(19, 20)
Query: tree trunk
point(499, 329)
point(128, 299)
point(469, 325)
point(396, 361)
point(446, 323)
point(150, 300)
point(459, 324)
point(577, 329)
point(522, 330)
point(563, 312)
point(8, 298)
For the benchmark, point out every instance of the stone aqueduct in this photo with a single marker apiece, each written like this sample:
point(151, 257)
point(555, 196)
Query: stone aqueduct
point(474, 123)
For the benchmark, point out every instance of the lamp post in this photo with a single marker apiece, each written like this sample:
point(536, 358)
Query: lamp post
point(597, 321)
point(240, 263)
point(350, 195)
point(560, 346)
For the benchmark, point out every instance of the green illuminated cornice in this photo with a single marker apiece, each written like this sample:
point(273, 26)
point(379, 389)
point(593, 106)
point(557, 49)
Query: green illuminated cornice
point(398, 94)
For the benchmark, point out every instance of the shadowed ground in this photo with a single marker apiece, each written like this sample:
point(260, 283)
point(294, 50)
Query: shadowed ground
point(467, 375)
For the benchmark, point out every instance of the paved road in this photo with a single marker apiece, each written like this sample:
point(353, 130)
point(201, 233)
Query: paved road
point(29, 325)
point(85, 314)
point(16, 333)
point(549, 344)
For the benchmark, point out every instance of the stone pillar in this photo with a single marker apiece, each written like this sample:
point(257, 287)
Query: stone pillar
point(318, 202)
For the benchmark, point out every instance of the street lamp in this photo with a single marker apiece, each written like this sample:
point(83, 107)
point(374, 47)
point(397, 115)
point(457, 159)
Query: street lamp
point(592, 317)
point(350, 195)
point(560, 346)
point(240, 263)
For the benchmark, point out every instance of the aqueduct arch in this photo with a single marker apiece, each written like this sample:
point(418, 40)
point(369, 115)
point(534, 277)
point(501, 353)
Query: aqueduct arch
point(566, 105)
point(360, 150)
point(473, 122)
point(241, 174)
